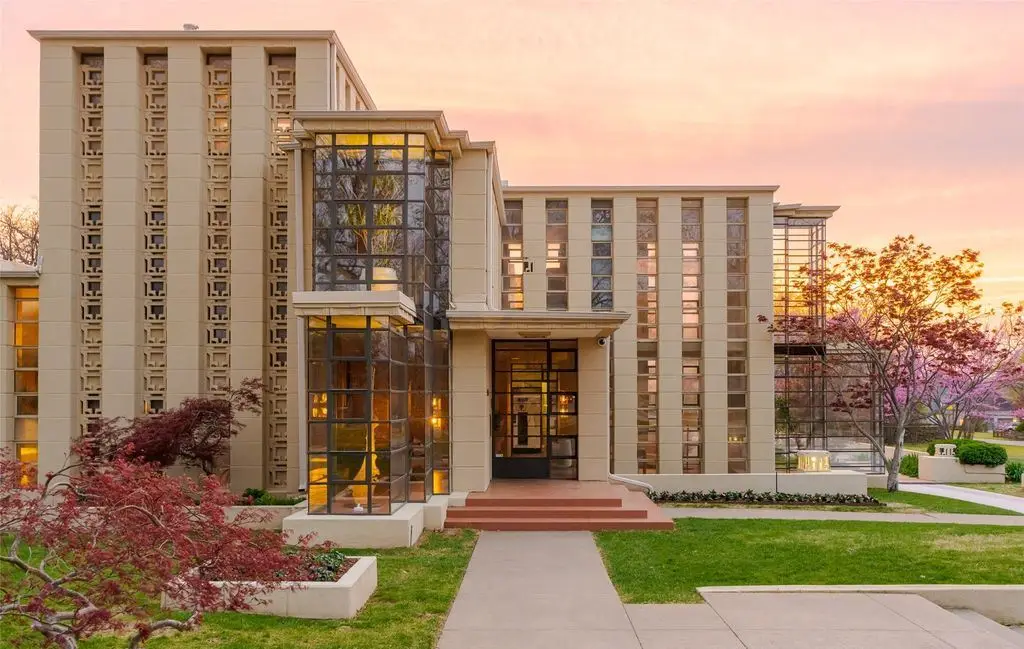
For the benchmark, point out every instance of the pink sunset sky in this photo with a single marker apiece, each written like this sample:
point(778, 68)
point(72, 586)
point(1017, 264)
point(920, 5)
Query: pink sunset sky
point(908, 114)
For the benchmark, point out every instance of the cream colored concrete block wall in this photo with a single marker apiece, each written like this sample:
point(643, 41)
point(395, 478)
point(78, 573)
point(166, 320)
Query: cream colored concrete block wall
point(535, 284)
point(122, 231)
point(313, 69)
point(716, 451)
point(59, 214)
point(624, 362)
point(494, 245)
point(761, 348)
point(593, 406)
point(249, 135)
point(469, 272)
point(670, 335)
point(579, 253)
point(470, 411)
point(186, 221)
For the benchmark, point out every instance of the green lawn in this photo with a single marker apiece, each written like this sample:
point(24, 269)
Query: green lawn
point(669, 566)
point(908, 502)
point(416, 587)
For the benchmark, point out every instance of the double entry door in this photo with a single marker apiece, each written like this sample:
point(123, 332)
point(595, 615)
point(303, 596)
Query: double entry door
point(534, 430)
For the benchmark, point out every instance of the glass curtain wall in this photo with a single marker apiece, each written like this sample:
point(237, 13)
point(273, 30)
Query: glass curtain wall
point(806, 380)
point(379, 390)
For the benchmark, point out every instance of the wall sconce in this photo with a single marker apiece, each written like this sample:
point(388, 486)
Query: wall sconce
point(813, 462)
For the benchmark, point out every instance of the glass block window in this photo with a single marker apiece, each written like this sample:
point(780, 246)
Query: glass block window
point(512, 259)
point(736, 334)
point(556, 261)
point(601, 265)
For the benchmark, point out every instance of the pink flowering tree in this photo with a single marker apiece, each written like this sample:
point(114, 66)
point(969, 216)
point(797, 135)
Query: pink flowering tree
point(91, 548)
point(911, 322)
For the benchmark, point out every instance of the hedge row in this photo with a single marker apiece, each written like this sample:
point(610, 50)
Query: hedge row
point(750, 497)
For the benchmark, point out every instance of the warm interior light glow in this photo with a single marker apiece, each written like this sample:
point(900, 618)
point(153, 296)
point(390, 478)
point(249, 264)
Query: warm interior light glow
point(813, 462)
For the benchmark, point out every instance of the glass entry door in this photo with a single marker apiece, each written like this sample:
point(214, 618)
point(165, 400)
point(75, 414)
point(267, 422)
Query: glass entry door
point(534, 422)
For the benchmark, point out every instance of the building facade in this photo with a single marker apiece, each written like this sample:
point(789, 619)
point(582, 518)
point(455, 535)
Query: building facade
point(217, 206)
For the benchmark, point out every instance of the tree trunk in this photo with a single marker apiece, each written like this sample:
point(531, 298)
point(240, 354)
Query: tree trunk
point(892, 482)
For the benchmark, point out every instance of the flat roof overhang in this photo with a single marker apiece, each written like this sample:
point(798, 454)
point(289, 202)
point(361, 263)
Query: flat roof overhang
point(538, 324)
point(372, 304)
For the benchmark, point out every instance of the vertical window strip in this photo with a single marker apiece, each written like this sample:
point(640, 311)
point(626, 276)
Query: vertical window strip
point(692, 300)
point(26, 381)
point(601, 263)
point(556, 262)
point(154, 279)
point(647, 334)
point(91, 252)
point(737, 370)
point(512, 259)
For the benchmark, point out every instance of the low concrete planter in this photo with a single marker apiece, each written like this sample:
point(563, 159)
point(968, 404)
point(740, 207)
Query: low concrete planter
point(949, 470)
point(315, 600)
point(275, 514)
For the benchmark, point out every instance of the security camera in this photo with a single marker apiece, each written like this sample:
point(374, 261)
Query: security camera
point(601, 342)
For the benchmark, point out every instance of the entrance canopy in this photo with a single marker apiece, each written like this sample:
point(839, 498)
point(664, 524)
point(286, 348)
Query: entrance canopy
point(537, 324)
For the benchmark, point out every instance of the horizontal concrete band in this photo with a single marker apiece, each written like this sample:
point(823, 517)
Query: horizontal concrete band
point(1002, 603)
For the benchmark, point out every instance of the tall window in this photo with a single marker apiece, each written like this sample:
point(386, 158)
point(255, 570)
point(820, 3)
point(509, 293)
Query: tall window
point(378, 390)
point(692, 384)
point(601, 255)
point(26, 379)
point(736, 334)
point(557, 258)
point(358, 407)
point(512, 257)
point(647, 334)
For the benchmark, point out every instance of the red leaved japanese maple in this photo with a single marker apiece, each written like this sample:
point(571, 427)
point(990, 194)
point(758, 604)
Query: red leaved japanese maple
point(196, 433)
point(914, 320)
point(91, 551)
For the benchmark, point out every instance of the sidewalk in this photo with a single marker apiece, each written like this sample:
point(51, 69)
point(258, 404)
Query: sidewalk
point(812, 515)
point(1003, 501)
point(542, 590)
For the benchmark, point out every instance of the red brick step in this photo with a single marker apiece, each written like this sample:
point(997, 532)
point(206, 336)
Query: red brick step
point(488, 511)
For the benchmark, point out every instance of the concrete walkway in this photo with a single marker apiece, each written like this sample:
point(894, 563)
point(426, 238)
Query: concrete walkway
point(549, 590)
point(541, 590)
point(813, 515)
point(1003, 501)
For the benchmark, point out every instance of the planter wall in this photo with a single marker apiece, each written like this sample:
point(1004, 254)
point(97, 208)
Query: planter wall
point(275, 514)
point(316, 600)
point(949, 469)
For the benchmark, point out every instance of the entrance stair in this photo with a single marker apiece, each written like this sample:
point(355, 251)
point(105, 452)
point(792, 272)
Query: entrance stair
point(553, 505)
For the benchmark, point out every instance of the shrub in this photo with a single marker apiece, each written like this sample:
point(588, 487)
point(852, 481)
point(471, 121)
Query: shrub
point(1014, 471)
point(981, 453)
point(254, 496)
point(329, 565)
point(751, 497)
point(909, 464)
